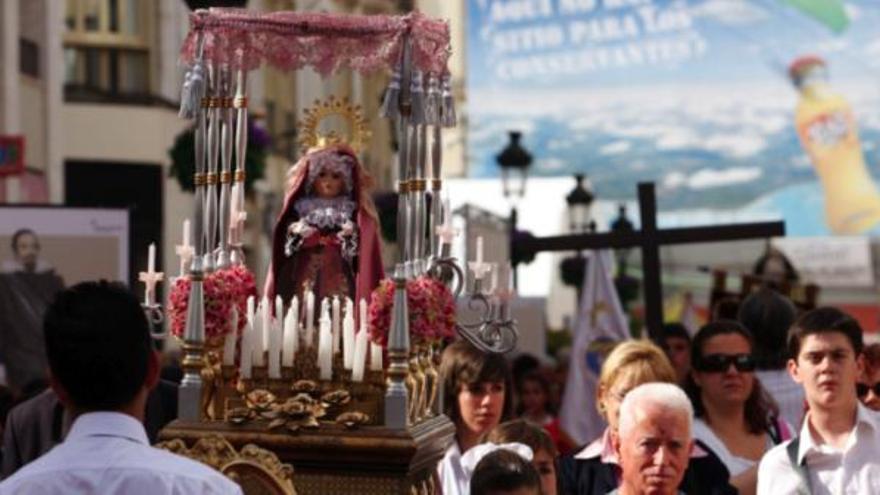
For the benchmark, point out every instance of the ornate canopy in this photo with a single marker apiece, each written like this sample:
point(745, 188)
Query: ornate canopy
point(325, 42)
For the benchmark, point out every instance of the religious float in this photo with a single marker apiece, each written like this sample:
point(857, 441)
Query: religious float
point(326, 382)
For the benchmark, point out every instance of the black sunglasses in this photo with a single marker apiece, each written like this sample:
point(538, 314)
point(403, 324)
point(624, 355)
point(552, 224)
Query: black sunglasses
point(719, 363)
point(862, 389)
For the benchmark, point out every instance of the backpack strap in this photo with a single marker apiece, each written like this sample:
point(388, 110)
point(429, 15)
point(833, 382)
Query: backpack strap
point(802, 469)
point(778, 430)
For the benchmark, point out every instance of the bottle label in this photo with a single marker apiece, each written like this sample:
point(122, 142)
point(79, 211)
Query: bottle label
point(827, 129)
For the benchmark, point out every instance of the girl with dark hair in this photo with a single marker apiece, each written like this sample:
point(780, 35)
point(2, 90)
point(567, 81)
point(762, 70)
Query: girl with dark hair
point(504, 472)
point(534, 405)
point(768, 315)
point(476, 388)
point(735, 418)
point(544, 451)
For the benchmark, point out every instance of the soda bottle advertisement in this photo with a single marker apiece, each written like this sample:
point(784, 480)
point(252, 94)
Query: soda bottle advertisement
point(736, 109)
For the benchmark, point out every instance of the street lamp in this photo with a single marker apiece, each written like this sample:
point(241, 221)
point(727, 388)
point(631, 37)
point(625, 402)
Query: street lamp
point(580, 201)
point(514, 160)
point(627, 286)
point(621, 225)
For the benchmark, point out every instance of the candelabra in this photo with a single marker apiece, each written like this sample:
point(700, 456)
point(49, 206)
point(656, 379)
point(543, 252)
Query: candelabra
point(494, 330)
point(155, 318)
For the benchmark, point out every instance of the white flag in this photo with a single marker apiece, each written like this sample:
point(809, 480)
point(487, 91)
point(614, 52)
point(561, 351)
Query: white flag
point(600, 320)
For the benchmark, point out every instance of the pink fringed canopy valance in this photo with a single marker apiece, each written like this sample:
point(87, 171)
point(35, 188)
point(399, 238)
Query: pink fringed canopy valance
point(325, 42)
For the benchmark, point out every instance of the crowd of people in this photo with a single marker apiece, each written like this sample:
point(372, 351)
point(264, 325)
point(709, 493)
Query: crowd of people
point(769, 403)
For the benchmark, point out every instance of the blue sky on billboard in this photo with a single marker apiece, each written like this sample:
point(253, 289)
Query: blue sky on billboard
point(692, 94)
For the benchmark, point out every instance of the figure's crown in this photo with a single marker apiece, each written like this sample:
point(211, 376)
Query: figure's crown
point(312, 138)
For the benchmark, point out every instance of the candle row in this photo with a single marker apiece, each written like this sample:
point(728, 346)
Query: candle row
point(273, 341)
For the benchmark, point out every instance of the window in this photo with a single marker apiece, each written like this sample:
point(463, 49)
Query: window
point(106, 47)
point(29, 57)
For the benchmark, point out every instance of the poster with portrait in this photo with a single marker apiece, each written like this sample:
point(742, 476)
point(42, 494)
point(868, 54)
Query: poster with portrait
point(77, 243)
point(42, 250)
point(736, 109)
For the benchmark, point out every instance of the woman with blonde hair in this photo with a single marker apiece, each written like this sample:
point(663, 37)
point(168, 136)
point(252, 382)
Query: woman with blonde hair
point(595, 469)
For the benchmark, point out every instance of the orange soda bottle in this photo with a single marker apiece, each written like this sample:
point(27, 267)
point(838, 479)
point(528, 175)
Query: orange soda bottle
point(828, 133)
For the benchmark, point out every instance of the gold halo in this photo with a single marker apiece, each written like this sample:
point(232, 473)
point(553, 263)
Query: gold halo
point(310, 136)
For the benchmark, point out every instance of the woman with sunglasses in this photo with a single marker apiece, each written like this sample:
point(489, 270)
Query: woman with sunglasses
point(735, 418)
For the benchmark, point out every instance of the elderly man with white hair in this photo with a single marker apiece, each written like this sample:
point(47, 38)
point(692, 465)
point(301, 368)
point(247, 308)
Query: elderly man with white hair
point(653, 440)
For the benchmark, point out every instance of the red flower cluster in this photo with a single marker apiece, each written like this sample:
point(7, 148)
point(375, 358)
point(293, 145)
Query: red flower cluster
point(223, 289)
point(431, 310)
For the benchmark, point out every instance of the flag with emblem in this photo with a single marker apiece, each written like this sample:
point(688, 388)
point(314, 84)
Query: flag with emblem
point(599, 325)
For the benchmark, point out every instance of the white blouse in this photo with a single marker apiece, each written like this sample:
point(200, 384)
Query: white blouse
point(453, 480)
point(734, 464)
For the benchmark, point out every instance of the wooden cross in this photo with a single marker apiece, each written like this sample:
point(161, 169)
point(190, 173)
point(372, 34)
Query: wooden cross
point(649, 238)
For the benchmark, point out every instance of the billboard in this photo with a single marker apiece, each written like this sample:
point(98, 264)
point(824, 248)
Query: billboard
point(736, 109)
point(77, 244)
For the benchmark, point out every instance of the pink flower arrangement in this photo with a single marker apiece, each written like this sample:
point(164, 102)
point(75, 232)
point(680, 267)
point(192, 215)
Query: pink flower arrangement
point(224, 290)
point(431, 311)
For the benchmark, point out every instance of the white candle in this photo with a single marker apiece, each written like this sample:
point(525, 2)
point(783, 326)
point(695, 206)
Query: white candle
point(247, 341)
point(477, 266)
point(278, 326)
point(445, 231)
point(231, 337)
point(375, 357)
point(288, 349)
point(185, 251)
point(275, 340)
point(310, 318)
point(505, 291)
point(360, 357)
point(348, 335)
point(266, 322)
point(151, 258)
point(257, 338)
point(362, 322)
point(337, 324)
point(325, 344)
point(150, 277)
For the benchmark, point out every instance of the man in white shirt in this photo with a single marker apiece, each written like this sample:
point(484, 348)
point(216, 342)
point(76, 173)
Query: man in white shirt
point(653, 440)
point(102, 366)
point(838, 448)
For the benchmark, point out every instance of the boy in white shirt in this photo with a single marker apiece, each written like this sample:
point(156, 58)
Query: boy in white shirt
point(838, 448)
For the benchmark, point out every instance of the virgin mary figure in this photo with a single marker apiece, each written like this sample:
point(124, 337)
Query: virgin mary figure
point(326, 237)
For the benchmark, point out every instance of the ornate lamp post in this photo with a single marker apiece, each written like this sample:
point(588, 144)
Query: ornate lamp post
point(579, 203)
point(627, 286)
point(621, 224)
point(514, 160)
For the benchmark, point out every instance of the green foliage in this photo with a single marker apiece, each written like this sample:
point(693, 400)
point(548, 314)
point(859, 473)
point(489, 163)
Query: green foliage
point(182, 155)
